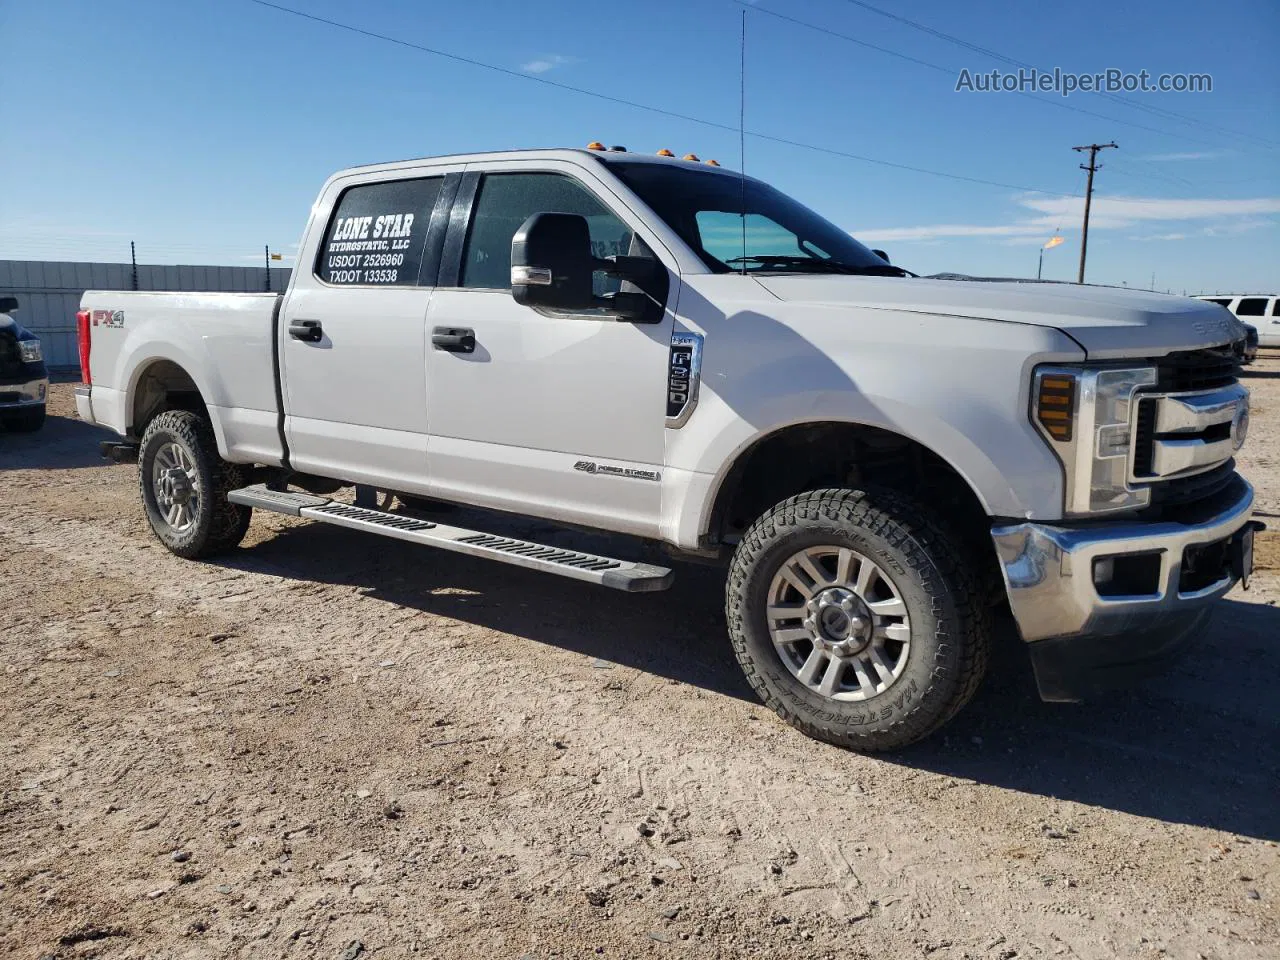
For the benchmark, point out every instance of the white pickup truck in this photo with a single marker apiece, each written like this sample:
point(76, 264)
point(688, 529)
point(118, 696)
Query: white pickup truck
point(667, 350)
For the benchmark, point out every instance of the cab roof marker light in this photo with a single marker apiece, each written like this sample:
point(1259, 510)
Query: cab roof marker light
point(713, 163)
point(595, 145)
point(691, 156)
point(664, 152)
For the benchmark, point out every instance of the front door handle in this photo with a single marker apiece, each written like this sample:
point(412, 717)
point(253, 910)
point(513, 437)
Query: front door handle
point(454, 339)
point(308, 331)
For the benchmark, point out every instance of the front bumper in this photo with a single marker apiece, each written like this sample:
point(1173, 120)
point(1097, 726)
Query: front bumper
point(1082, 638)
point(31, 393)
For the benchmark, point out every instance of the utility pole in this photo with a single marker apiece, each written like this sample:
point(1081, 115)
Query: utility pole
point(266, 282)
point(133, 256)
point(1093, 149)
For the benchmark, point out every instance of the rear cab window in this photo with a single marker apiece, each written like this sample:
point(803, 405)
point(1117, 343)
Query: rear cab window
point(377, 234)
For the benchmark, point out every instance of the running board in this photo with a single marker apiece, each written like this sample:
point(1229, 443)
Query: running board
point(606, 571)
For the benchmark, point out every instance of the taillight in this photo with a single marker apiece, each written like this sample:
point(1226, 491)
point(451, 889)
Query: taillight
point(82, 336)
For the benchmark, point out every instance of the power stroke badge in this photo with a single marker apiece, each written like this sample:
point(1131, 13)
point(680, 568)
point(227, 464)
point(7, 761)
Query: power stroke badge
point(683, 374)
point(612, 470)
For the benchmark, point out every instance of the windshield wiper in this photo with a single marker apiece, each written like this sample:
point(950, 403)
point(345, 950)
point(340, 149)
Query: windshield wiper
point(785, 262)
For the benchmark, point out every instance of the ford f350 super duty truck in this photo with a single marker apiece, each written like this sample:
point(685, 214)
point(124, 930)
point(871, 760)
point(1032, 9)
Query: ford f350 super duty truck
point(664, 349)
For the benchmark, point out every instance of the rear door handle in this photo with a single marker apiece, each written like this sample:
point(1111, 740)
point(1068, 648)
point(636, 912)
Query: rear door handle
point(308, 331)
point(454, 339)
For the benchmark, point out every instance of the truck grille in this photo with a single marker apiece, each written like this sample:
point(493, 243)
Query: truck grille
point(1201, 369)
point(11, 365)
point(1200, 373)
point(1183, 490)
point(1144, 433)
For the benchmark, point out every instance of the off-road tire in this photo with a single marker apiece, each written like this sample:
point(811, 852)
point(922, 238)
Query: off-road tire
point(219, 525)
point(24, 421)
point(950, 632)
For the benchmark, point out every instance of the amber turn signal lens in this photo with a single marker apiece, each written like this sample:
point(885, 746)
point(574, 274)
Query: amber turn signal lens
point(1056, 405)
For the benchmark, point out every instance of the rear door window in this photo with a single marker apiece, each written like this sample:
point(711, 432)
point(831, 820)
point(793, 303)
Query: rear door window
point(1252, 307)
point(377, 234)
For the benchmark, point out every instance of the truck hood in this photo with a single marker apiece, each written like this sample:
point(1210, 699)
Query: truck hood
point(1105, 321)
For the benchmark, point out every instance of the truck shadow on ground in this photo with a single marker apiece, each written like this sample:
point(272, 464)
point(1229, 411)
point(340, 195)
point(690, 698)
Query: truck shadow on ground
point(63, 443)
point(1198, 746)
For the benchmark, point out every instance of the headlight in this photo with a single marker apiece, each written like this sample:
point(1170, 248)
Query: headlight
point(1085, 415)
point(29, 351)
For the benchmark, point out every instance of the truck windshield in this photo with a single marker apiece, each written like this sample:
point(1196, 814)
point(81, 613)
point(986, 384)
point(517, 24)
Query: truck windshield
point(782, 235)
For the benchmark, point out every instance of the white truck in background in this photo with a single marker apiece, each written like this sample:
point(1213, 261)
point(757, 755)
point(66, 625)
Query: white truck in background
point(664, 349)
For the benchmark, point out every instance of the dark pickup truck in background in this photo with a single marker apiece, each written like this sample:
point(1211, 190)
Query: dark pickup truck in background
point(24, 379)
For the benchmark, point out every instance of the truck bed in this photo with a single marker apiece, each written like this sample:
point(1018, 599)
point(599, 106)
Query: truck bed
point(219, 344)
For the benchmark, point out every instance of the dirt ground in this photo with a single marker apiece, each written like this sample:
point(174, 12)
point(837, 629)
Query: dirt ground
point(338, 746)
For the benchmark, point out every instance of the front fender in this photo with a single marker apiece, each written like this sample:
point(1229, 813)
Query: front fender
point(958, 387)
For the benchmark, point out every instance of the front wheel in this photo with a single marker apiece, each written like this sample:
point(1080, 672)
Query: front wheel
point(857, 618)
point(184, 485)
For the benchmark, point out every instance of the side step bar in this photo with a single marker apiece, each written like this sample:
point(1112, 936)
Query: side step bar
point(605, 571)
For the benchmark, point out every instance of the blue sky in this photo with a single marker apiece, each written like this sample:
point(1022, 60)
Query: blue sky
point(203, 129)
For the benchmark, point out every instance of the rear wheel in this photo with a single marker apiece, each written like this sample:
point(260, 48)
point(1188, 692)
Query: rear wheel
point(856, 617)
point(184, 485)
point(27, 420)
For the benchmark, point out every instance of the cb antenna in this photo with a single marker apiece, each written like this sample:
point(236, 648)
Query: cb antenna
point(742, 135)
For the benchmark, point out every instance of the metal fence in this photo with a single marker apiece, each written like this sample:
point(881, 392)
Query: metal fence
point(49, 292)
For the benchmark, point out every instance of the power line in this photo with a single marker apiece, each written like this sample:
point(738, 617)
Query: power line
point(1153, 175)
point(950, 71)
point(1003, 58)
point(506, 71)
point(844, 36)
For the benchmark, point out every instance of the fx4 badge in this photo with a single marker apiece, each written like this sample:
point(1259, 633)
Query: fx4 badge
point(108, 318)
point(609, 470)
point(684, 371)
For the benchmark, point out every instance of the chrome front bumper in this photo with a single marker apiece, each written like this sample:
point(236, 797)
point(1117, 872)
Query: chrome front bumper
point(1049, 571)
point(29, 394)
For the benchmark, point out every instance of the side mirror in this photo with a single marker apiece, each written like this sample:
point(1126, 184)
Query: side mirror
point(882, 255)
point(8, 304)
point(551, 262)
